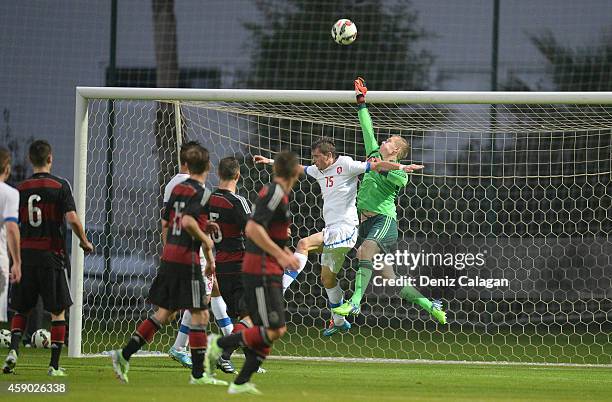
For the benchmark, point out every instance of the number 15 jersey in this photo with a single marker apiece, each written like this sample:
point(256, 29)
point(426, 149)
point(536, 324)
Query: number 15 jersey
point(339, 189)
point(181, 250)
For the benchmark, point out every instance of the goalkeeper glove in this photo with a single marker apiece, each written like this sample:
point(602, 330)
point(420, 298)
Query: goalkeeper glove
point(360, 90)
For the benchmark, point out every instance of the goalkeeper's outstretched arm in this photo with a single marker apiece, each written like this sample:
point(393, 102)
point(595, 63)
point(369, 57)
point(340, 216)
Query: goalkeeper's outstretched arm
point(365, 120)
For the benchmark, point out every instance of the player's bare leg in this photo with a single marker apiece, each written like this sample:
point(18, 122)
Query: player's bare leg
point(312, 243)
point(387, 272)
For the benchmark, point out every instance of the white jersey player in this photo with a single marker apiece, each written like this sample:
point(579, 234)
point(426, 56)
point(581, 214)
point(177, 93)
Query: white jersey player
point(338, 177)
point(9, 232)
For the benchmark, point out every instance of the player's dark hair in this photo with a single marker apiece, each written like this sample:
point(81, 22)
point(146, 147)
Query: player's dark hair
point(39, 153)
point(229, 168)
point(184, 148)
point(325, 145)
point(5, 159)
point(285, 164)
point(197, 159)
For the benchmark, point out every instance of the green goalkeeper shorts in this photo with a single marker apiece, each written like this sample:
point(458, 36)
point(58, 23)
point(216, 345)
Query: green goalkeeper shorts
point(381, 229)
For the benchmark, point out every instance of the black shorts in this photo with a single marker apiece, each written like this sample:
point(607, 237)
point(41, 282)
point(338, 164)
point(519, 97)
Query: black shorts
point(49, 279)
point(263, 297)
point(176, 289)
point(229, 279)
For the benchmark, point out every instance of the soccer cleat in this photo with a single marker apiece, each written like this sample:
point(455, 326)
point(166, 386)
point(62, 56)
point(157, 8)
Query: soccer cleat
point(437, 312)
point(333, 328)
point(60, 372)
point(226, 366)
point(246, 388)
point(261, 370)
point(206, 380)
point(180, 356)
point(120, 365)
point(10, 362)
point(347, 308)
point(212, 354)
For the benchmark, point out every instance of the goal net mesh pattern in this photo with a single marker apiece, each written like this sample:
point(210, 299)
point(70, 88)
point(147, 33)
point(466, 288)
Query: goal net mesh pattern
point(528, 186)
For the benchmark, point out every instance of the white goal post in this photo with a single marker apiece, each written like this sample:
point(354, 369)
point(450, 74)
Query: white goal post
point(502, 171)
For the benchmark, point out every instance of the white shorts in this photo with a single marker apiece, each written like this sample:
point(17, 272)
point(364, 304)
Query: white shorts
point(338, 240)
point(4, 281)
point(208, 281)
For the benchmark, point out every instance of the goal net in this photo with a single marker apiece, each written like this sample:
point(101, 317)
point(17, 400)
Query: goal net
point(510, 217)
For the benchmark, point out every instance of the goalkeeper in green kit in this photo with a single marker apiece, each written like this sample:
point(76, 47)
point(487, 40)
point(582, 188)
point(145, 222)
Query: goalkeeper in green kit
point(376, 204)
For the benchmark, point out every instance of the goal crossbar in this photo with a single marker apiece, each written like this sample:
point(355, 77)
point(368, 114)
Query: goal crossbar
point(374, 97)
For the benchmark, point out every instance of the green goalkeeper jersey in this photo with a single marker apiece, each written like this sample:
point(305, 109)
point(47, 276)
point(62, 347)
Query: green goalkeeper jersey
point(378, 191)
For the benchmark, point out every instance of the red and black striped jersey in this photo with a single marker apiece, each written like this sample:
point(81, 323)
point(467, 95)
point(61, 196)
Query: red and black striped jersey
point(44, 199)
point(187, 198)
point(231, 212)
point(271, 210)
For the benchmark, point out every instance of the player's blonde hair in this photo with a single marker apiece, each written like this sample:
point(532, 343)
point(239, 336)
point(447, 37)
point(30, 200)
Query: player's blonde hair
point(403, 145)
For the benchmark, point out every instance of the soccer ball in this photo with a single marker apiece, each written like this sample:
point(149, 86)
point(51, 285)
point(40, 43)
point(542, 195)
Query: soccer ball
point(41, 339)
point(5, 338)
point(344, 32)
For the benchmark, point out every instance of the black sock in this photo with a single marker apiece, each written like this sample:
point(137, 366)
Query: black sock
point(15, 340)
point(56, 351)
point(252, 363)
point(230, 342)
point(227, 353)
point(133, 346)
point(197, 362)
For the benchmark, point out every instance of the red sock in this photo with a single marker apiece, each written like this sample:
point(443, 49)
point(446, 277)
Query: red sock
point(58, 331)
point(147, 329)
point(197, 339)
point(18, 323)
point(197, 343)
point(254, 338)
point(239, 326)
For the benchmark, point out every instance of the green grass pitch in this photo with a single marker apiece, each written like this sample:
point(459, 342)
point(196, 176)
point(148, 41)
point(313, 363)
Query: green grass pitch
point(161, 379)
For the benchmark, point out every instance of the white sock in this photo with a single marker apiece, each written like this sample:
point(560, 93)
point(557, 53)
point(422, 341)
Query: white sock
point(335, 296)
point(219, 309)
point(182, 337)
point(289, 276)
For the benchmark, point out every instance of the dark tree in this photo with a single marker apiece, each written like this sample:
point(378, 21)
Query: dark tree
point(292, 46)
point(164, 28)
point(18, 147)
point(549, 180)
